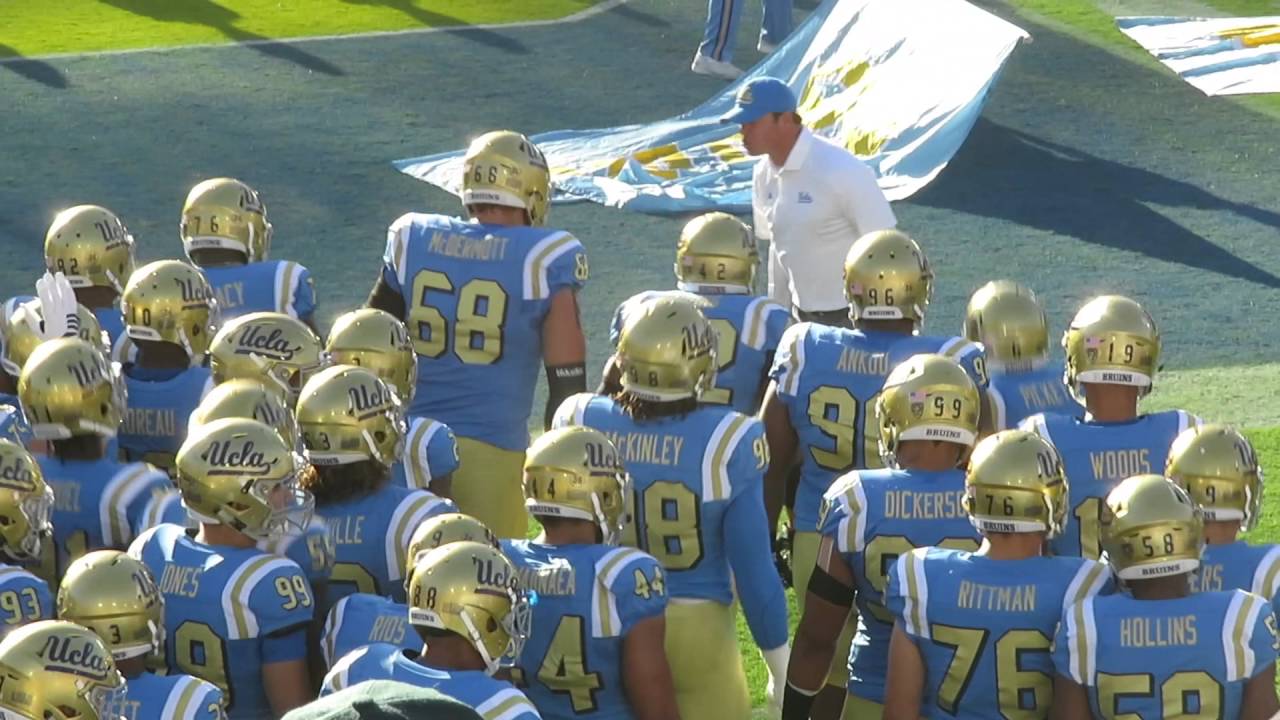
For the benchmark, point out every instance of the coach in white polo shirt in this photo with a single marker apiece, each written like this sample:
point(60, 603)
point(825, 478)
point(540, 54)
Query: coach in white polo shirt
point(811, 199)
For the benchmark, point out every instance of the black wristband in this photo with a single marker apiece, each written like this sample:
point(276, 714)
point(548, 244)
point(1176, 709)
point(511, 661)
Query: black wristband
point(796, 704)
point(828, 588)
point(563, 381)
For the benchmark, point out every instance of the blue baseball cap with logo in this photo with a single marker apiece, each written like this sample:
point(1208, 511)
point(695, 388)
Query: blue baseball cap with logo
point(760, 97)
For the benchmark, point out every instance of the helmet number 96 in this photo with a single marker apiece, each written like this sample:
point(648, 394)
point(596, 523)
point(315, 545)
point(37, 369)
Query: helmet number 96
point(873, 294)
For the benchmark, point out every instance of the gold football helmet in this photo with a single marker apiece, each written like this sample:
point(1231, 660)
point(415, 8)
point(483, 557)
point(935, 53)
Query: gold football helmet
point(1009, 322)
point(575, 472)
point(716, 251)
point(225, 214)
point(115, 596)
point(1015, 484)
point(91, 246)
point(506, 168)
point(241, 473)
point(927, 397)
point(347, 415)
point(171, 301)
point(279, 351)
point(248, 399)
point(57, 670)
point(68, 388)
point(375, 340)
point(472, 590)
point(1218, 468)
point(26, 504)
point(440, 530)
point(1111, 341)
point(887, 277)
point(667, 350)
point(1151, 528)
point(24, 334)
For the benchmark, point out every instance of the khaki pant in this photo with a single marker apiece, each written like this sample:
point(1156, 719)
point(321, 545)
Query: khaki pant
point(488, 485)
point(706, 664)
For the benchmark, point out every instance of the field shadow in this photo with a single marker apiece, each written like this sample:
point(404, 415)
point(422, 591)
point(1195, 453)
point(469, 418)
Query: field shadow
point(451, 25)
point(1015, 176)
point(217, 17)
point(640, 16)
point(34, 70)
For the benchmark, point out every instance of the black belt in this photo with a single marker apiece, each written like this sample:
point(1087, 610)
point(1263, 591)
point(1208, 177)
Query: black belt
point(834, 318)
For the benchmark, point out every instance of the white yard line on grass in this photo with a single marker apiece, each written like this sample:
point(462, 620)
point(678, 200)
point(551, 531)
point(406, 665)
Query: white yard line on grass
point(579, 16)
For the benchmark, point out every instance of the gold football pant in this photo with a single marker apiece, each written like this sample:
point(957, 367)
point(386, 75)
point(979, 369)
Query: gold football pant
point(488, 486)
point(706, 664)
point(804, 553)
point(856, 708)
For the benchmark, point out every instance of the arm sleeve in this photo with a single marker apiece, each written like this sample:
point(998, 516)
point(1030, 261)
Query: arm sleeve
point(1263, 641)
point(285, 646)
point(788, 363)
point(747, 546)
point(777, 320)
point(567, 267)
point(210, 704)
point(135, 494)
point(281, 600)
point(432, 452)
point(304, 297)
point(865, 205)
point(639, 590)
point(974, 361)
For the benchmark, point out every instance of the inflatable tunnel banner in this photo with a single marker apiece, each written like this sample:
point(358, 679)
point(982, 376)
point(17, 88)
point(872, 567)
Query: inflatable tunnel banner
point(898, 82)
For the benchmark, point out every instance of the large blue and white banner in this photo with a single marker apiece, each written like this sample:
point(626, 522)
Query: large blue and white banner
point(899, 82)
point(1218, 56)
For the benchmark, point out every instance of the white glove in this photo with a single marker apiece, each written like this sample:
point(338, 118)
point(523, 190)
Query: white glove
point(776, 661)
point(58, 307)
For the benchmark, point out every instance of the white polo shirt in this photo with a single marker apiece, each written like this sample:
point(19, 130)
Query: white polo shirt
point(812, 209)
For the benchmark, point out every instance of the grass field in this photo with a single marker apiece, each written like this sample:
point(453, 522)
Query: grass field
point(40, 28)
point(1093, 168)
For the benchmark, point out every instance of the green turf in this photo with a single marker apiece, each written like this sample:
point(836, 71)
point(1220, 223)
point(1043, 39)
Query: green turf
point(39, 28)
point(1094, 22)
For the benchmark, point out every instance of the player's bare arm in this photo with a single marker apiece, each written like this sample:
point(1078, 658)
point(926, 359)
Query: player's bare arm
point(646, 673)
point(1070, 700)
point(1260, 701)
point(288, 685)
point(781, 436)
point(905, 686)
point(827, 605)
point(564, 351)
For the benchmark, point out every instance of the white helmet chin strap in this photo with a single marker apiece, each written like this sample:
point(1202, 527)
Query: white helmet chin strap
point(490, 664)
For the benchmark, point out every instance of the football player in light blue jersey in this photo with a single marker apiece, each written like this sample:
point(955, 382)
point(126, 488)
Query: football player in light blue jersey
point(716, 260)
point(1157, 650)
point(602, 607)
point(819, 410)
point(486, 301)
point(117, 597)
point(364, 618)
point(72, 393)
point(472, 617)
point(1218, 468)
point(697, 472)
point(92, 247)
point(26, 502)
point(170, 316)
point(234, 615)
point(1007, 320)
point(928, 422)
point(959, 617)
point(352, 430)
point(376, 341)
point(226, 234)
point(1113, 353)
